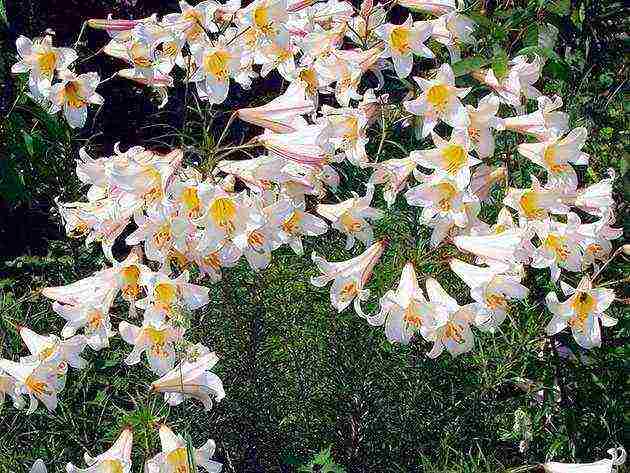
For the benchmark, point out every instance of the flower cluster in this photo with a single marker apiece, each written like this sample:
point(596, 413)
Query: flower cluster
point(250, 207)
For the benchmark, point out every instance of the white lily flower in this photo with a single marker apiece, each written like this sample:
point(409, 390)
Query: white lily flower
point(226, 213)
point(40, 59)
point(349, 277)
point(559, 247)
point(8, 385)
point(156, 339)
point(535, 203)
point(277, 54)
point(265, 17)
point(582, 311)
point(301, 146)
point(216, 65)
point(174, 457)
point(482, 120)
point(403, 311)
point(193, 21)
point(353, 217)
point(440, 100)
point(50, 349)
point(594, 238)
point(450, 326)
point(38, 467)
point(449, 158)
point(403, 41)
point(225, 255)
point(296, 225)
point(115, 460)
point(73, 94)
point(192, 379)
point(491, 287)
point(435, 7)
point(40, 381)
point(345, 129)
point(393, 173)
point(603, 466)
point(92, 316)
point(544, 123)
point(451, 29)
point(596, 199)
point(555, 155)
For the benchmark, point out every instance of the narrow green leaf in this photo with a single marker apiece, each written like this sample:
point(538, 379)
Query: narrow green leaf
point(500, 63)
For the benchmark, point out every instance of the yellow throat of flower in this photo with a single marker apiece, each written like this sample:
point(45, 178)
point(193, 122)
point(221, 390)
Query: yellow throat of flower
point(400, 39)
point(178, 460)
point(446, 193)
point(454, 158)
point(216, 64)
point(165, 295)
point(190, 199)
point(111, 466)
point(130, 276)
point(72, 93)
point(583, 305)
point(558, 245)
point(46, 62)
point(292, 224)
point(222, 212)
point(530, 207)
point(438, 97)
point(550, 158)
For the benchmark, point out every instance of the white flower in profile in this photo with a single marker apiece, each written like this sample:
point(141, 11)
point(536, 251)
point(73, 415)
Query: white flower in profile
point(352, 217)
point(193, 21)
point(608, 465)
point(345, 129)
point(348, 277)
point(594, 238)
point(92, 316)
point(8, 386)
point(536, 203)
point(403, 41)
point(483, 120)
point(50, 349)
point(157, 339)
point(555, 154)
point(439, 100)
point(40, 381)
point(582, 311)
point(73, 94)
point(452, 29)
point(393, 173)
point(192, 378)
point(403, 311)
point(435, 7)
point(449, 158)
point(40, 59)
point(491, 287)
point(115, 460)
point(559, 247)
point(174, 457)
point(544, 123)
point(450, 325)
point(596, 199)
point(298, 224)
point(38, 467)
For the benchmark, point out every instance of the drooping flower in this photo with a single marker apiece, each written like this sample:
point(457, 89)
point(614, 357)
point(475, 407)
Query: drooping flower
point(483, 120)
point(403, 311)
point(544, 123)
point(73, 94)
point(403, 41)
point(349, 277)
point(439, 100)
point(40, 381)
point(174, 457)
point(602, 466)
point(582, 311)
point(393, 173)
point(115, 460)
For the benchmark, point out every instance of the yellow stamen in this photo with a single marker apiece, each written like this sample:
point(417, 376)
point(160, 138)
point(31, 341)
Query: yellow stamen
point(529, 204)
point(454, 158)
point(496, 301)
point(453, 332)
point(399, 39)
point(583, 305)
point(158, 339)
point(162, 236)
point(348, 291)
point(558, 245)
point(130, 276)
point(190, 199)
point(438, 96)
point(178, 460)
point(350, 223)
point(37, 387)
point(72, 92)
point(213, 260)
point(412, 315)
point(446, 192)
point(223, 211)
point(46, 61)
point(165, 294)
point(256, 240)
point(549, 157)
point(94, 320)
point(111, 466)
point(292, 224)
point(216, 64)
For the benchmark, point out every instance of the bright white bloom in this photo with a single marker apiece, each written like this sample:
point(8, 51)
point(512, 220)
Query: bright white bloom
point(403, 311)
point(452, 29)
point(559, 247)
point(345, 129)
point(156, 339)
point(491, 287)
point(115, 460)
point(393, 173)
point(40, 59)
point(449, 158)
point(353, 217)
point(582, 311)
point(349, 277)
point(49, 349)
point(265, 17)
point(216, 64)
point(73, 94)
point(602, 466)
point(296, 225)
point(40, 381)
point(594, 238)
point(174, 457)
point(403, 41)
point(544, 123)
point(8, 386)
point(436, 7)
point(193, 21)
point(440, 100)
point(302, 146)
point(555, 155)
point(450, 327)
point(38, 467)
point(482, 120)
point(535, 203)
point(192, 378)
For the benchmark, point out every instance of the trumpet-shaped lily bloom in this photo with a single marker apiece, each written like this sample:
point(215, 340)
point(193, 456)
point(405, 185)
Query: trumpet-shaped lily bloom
point(439, 100)
point(595, 199)
point(452, 29)
point(284, 113)
point(602, 466)
point(491, 287)
point(535, 203)
point(265, 17)
point(349, 277)
point(156, 339)
point(544, 123)
point(302, 146)
point(403, 41)
point(216, 64)
point(73, 94)
point(296, 225)
point(594, 238)
point(8, 386)
point(38, 467)
point(92, 316)
point(353, 217)
point(555, 155)
point(174, 457)
point(394, 174)
point(115, 460)
point(450, 327)
point(449, 158)
point(193, 21)
point(504, 247)
point(403, 311)
point(192, 379)
point(582, 311)
point(559, 247)
point(40, 381)
point(40, 59)
point(49, 349)
point(345, 129)
point(482, 120)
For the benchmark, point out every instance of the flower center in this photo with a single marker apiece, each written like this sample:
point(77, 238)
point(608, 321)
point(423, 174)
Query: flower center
point(46, 61)
point(348, 291)
point(94, 320)
point(190, 198)
point(399, 39)
point(557, 244)
point(130, 276)
point(111, 466)
point(36, 386)
point(454, 158)
point(438, 96)
point(178, 460)
point(216, 64)
point(140, 56)
point(453, 332)
point(446, 194)
point(162, 236)
point(222, 212)
point(583, 305)
point(549, 157)
point(529, 204)
point(256, 240)
point(350, 223)
point(496, 301)
point(165, 295)
point(213, 260)
point(261, 19)
point(73, 95)
point(291, 225)
point(158, 341)
point(412, 315)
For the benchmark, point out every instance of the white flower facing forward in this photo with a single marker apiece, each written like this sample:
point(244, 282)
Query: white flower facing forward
point(73, 95)
point(298, 224)
point(215, 66)
point(440, 100)
point(559, 247)
point(491, 287)
point(192, 379)
point(348, 277)
point(608, 465)
point(555, 155)
point(403, 41)
point(352, 217)
point(175, 457)
point(449, 158)
point(403, 311)
point(483, 120)
point(582, 311)
point(450, 327)
point(40, 381)
point(115, 460)
point(536, 203)
point(49, 349)
point(40, 59)
point(156, 339)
